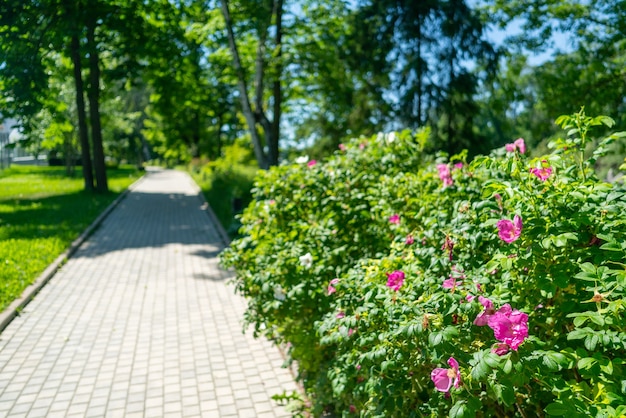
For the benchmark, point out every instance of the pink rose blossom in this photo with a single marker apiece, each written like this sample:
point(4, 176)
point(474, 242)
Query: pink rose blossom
point(444, 379)
point(518, 144)
point(331, 288)
point(311, 163)
point(444, 175)
point(500, 349)
point(509, 231)
point(394, 219)
point(342, 147)
point(395, 280)
point(509, 326)
point(450, 283)
point(542, 173)
point(483, 318)
point(409, 240)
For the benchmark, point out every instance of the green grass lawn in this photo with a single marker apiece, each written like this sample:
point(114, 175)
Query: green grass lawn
point(41, 212)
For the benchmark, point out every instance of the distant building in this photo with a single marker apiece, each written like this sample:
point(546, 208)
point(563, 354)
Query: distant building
point(6, 125)
point(10, 150)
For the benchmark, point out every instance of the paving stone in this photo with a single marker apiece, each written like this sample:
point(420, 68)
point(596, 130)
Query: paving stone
point(141, 322)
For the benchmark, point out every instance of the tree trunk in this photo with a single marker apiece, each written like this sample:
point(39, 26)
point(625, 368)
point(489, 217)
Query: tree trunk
point(243, 91)
point(220, 124)
point(94, 107)
point(274, 138)
point(82, 115)
point(419, 72)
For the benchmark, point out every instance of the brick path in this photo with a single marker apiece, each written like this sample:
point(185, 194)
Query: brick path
point(141, 322)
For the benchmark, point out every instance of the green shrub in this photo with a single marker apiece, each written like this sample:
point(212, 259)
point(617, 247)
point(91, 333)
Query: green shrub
point(226, 184)
point(536, 248)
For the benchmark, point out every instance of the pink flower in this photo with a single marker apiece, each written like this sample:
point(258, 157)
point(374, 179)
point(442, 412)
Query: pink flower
point(444, 379)
point(518, 144)
point(342, 147)
point(500, 349)
point(331, 288)
point(395, 280)
point(311, 163)
point(350, 332)
point(444, 175)
point(458, 166)
point(509, 231)
point(340, 315)
point(483, 318)
point(509, 326)
point(542, 173)
point(409, 240)
point(394, 219)
point(450, 283)
point(470, 298)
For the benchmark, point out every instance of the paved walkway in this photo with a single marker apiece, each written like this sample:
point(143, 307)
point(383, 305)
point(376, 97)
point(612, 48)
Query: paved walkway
point(141, 322)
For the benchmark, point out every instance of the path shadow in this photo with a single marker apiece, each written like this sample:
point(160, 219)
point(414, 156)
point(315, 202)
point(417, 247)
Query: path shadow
point(154, 220)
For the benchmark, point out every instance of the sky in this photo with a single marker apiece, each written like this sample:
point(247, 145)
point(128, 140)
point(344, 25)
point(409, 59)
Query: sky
point(560, 41)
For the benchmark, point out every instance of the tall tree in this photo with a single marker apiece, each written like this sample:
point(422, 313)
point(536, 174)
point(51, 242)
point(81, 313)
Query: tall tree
point(434, 48)
point(83, 134)
point(339, 84)
point(588, 72)
point(266, 21)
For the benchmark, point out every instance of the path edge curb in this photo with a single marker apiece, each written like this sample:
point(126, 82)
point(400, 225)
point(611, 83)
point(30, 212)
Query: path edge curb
point(13, 310)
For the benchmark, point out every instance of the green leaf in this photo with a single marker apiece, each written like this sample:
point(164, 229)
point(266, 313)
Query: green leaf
point(435, 338)
point(591, 342)
point(588, 268)
point(551, 360)
point(596, 318)
point(580, 320)
point(492, 360)
point(578, 334)
point(508, 366)
point(546, 242)
point(461, 410)
point(586, 363)
point(557, 409)
point(611, 246)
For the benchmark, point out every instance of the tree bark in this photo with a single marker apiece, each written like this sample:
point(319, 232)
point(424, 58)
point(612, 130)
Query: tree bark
point(94, 106)
point(83, 135)
point(274, 137)
point(243, 91)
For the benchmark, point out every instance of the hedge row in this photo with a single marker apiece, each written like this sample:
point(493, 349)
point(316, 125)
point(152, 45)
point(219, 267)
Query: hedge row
point(406, 284)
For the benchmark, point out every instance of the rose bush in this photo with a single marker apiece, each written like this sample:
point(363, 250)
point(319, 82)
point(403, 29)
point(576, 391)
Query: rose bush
point(508, 269)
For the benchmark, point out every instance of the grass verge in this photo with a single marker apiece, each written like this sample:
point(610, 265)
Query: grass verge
point(41, 212)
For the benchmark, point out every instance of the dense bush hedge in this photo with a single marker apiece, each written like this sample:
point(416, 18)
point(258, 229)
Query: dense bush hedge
point(409, 285)
point(226, 183)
